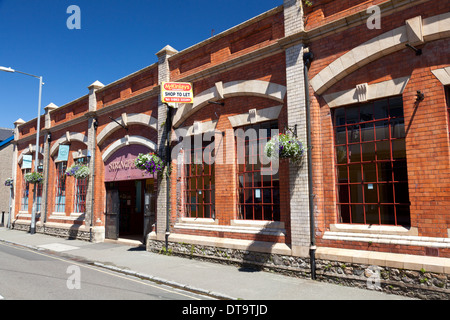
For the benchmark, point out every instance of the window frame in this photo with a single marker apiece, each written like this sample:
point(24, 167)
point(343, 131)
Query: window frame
point(384, 173)
point(254, 210)
point(39, 192)
point(60, 186)
point(203, 210)
point(25, 194)
point(80, 192)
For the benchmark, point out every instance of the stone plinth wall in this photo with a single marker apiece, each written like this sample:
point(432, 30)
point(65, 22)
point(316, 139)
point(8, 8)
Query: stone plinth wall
point(415, 284)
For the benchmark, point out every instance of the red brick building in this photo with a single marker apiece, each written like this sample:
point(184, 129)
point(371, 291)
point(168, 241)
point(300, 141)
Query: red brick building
point(363, 83)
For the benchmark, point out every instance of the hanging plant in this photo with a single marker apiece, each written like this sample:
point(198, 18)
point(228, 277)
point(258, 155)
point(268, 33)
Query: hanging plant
point(285, 146)
point(78, 171)
point(34, 177)
point(9, 182)
point(150, 163)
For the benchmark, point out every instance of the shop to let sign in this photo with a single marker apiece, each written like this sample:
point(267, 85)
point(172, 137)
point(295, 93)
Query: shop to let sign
point(177, 92)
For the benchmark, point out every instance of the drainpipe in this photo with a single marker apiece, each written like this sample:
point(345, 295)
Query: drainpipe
point(169, 162)
point(95, 125)
point(307, 59)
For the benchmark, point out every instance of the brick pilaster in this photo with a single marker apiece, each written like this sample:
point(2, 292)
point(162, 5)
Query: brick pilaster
point(92, 147)
point(296, 112)
point(163, 75)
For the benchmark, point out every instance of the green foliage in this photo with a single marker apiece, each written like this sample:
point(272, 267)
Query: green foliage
point(34, 177)
point(285, 146)
point(78, 171)
point(150, 163)
point(9, 182)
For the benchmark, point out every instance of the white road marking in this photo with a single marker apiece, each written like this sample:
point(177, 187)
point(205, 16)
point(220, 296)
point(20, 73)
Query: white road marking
point(59, 247)
point(1, 298)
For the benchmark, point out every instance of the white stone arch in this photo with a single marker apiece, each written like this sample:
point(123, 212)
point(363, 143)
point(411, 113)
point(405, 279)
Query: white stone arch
point(67, 138)
point(130, 119)
point(416, 31)
point(31, 149)
point(125, 141)
point(443, 75)
point(221, 91)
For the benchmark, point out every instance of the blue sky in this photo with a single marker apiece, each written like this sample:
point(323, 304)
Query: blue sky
point(117, 38)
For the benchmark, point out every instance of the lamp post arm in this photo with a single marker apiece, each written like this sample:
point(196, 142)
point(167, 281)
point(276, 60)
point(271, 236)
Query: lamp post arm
point(28, 74)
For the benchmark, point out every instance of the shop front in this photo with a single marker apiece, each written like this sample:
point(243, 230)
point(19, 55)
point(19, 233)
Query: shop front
point(130, 196)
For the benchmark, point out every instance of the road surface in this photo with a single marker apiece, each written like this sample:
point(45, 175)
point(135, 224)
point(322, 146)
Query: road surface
point(33, 275)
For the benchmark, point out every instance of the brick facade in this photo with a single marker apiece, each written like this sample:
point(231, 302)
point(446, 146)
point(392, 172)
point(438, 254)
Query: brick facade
point(256, 69)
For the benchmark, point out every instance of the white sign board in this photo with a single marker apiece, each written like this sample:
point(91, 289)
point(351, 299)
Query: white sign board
point(177, 92)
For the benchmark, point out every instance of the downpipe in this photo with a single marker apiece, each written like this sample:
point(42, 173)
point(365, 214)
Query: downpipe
point(307, 59)
point(169, 161)
point(95, 125)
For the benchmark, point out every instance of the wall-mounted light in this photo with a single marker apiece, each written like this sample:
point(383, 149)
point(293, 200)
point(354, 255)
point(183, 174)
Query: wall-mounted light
point(420, 96)
point(120, 124)
point(95, 124)
point(214, 102)
point(417, 51)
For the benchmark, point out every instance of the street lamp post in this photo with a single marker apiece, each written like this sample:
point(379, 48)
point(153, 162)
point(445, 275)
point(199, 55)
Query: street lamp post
point(36, 159)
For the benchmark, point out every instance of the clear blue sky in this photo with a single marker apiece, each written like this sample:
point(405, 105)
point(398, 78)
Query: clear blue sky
point(117, 38)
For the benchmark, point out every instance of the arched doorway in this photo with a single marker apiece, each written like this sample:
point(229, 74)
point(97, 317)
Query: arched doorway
point(130, 195)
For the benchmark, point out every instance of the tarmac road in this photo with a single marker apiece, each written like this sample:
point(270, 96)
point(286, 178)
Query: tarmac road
point(31, 275)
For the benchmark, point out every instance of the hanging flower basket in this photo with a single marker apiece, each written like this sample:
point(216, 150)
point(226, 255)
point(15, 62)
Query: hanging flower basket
point(150, 163)
point(9, 182)
point(285, 146)
point(78, 171)
point(34, 177)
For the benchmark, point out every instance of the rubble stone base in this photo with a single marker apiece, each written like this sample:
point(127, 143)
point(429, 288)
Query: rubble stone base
point(415, 284)
point(79, 232)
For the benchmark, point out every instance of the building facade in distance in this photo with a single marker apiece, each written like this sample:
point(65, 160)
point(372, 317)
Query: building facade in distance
point(6, 152)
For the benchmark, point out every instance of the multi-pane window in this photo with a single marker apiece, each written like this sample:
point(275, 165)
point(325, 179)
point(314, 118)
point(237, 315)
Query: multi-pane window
point(200, 182)
point(39, 189)
point(81, 190)
point(25, 191)
point(372, 181)
point(60, 192)
point(258, 194)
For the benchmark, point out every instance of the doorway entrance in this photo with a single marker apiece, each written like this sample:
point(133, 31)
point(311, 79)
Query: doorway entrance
point(130, 209)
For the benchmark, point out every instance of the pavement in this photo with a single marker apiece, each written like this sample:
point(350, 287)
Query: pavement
point(213, 279)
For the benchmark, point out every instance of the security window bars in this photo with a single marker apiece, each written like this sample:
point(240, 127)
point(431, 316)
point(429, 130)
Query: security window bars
point(200, 183)
point(258, 194)
point(81, 190)
point(25, 191)
point(60, 200)
point(372, 180)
